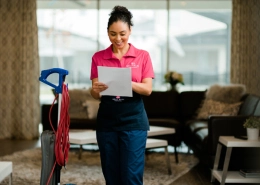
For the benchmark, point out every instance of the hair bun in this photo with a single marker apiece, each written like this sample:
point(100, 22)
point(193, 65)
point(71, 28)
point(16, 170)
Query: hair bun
point(120, 13)
point(121, 10)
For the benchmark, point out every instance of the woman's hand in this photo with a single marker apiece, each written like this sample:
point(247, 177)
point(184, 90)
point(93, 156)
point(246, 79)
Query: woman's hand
point(99, 87)
point(143, 88)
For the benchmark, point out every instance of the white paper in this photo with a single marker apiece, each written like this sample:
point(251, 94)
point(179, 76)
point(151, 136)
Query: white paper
point(118, 80)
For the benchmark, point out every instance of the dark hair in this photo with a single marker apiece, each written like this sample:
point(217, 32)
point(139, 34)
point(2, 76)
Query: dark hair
point(120, 13)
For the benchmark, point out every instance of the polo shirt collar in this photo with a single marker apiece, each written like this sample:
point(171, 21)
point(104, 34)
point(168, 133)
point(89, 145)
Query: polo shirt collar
point(109, 52)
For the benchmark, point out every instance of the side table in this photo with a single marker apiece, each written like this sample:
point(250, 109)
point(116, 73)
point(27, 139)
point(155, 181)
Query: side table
point(6, 169)
point(226, 176)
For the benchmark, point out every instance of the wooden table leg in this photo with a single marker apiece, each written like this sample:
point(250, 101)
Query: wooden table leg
point(168, 163)
point(80, 151)
point(226, 164)
point(216, 162)
point(10, 179)
point(176, 155)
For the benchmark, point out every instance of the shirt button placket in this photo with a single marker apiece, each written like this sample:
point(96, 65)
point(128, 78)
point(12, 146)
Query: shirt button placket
point(122, 62)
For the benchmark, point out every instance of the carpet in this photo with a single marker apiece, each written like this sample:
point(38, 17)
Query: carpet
point(87, 171)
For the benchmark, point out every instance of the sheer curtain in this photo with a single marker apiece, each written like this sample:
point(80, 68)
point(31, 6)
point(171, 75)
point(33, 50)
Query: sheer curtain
point(245, 48)
point(19, 65)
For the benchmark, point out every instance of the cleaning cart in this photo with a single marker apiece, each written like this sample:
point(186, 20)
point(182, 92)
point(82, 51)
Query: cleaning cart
point(55, 143)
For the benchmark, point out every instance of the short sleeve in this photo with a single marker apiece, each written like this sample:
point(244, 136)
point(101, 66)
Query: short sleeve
point(147, 71)
point(94, 71)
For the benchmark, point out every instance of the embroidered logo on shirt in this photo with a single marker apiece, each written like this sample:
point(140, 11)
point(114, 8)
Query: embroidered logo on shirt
point(118, 99)
point(132, 65)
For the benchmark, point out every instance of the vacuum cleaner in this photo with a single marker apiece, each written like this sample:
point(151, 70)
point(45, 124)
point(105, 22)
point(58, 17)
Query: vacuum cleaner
point(55, 143)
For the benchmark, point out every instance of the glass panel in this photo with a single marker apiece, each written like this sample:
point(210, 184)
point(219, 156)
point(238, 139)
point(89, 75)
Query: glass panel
point(200, 42)
point(198, 36)
point(67, 39)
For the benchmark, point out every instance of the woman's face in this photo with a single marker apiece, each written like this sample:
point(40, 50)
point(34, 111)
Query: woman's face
point(118, 34)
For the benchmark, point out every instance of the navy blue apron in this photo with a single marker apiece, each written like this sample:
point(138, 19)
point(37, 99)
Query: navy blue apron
point(122, 113)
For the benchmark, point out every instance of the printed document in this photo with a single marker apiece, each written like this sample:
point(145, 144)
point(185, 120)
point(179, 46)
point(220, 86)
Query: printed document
point(118, 80)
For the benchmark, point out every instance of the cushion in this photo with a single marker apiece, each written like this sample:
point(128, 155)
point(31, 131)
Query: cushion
point(226, 93)
point(211, 107)
point(92, 108)
point(77, 98)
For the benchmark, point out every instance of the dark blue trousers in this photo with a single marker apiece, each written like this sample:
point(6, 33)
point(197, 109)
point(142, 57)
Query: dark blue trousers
point(122, 156)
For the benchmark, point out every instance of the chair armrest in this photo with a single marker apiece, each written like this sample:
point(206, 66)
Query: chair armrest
point(223, 126)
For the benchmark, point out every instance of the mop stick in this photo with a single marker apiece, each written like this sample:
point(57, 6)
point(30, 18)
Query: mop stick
point(58, 168)
point(58, 89)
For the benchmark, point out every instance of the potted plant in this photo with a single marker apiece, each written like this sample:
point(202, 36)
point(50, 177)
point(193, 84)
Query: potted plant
point(173, 78)
point(252, 124)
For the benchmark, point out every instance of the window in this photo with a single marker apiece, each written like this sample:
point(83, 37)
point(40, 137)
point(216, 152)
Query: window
point(194, 41)
point(67, 39)
point(200, 42)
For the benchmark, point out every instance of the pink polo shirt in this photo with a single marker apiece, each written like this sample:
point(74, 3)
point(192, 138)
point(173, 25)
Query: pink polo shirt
point(139, 60)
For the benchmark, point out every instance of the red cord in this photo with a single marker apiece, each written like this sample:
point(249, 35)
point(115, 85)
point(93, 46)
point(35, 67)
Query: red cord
point(62, 144)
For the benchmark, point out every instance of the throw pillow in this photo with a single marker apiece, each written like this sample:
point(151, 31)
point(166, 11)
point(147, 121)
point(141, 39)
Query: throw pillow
point(92, 108)
point(211, 107)
point(226, 93)
point(77, 97)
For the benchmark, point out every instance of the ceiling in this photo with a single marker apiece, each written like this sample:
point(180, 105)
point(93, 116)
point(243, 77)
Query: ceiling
point(135, 4)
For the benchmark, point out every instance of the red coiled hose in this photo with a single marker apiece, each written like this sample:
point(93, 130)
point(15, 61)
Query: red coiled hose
point(62, 144)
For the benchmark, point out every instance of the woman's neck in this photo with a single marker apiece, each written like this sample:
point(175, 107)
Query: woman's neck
point(119, 53)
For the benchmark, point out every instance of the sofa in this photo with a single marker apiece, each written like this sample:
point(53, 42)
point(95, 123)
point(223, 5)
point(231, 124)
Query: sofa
point(82, 111)
point(201, 135)
point(180, 111)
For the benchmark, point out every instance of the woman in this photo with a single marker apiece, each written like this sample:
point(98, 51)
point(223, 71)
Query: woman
point(122, 122)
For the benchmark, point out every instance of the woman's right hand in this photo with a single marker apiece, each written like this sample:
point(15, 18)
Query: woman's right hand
point(99, 87)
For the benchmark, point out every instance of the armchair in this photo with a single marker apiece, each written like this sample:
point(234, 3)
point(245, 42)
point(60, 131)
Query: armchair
point(204, 138)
